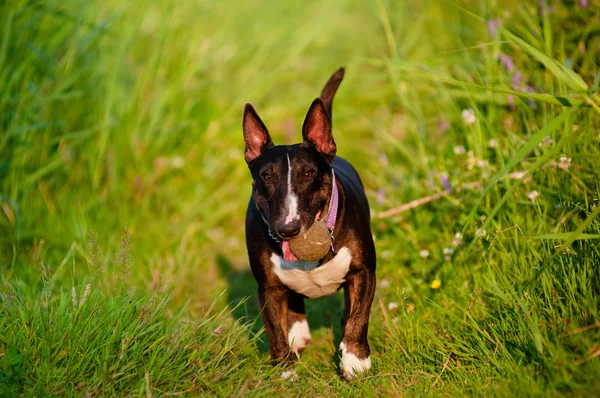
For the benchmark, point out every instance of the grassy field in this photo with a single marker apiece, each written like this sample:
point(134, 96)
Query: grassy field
point(475, 127)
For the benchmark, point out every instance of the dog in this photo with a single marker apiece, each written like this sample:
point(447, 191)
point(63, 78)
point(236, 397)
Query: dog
point(292, 187)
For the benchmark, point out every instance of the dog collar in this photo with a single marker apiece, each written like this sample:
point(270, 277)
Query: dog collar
point(333, 206)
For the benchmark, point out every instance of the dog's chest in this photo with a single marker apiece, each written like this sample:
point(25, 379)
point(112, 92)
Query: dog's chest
point(312, 281)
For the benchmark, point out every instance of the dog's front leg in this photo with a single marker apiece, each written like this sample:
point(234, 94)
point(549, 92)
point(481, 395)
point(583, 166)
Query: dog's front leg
point(273, 302)
point(359, 292)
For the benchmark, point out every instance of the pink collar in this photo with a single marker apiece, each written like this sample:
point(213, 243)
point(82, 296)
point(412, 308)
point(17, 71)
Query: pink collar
point(333, 205)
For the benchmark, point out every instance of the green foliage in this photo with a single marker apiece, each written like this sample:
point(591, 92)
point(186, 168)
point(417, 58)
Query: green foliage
point(123, 191)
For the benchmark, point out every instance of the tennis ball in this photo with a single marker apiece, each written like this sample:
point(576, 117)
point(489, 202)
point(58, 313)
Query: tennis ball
point(312, 245)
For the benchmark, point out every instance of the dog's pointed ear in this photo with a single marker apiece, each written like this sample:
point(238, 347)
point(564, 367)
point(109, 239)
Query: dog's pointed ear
point(316, 130)
point(330, 89)
point(256, 135)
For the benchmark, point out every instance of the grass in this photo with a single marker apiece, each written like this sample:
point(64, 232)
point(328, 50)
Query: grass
point(123, 191)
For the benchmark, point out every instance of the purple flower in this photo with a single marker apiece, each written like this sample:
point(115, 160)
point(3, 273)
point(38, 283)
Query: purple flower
point(511, 101)
point(443, 126)
point(446, 183)
point(380, 196)
point(493, 25)
point(516, 80)
point(383, 159)
point(507, 61)
point(530, 90)
point(583, 3)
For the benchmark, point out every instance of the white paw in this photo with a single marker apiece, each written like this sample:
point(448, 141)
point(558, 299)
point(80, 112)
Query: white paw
point(298, 336)
point(289, 374)
point(351, 365)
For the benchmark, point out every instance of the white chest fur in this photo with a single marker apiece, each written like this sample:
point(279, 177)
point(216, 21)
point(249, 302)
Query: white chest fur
point(312, 281)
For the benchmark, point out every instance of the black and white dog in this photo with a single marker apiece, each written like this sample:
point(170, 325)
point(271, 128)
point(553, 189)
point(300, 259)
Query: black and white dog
point(293, 185)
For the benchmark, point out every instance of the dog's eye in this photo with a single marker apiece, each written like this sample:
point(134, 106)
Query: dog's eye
point(309, 174)
point(266, 177)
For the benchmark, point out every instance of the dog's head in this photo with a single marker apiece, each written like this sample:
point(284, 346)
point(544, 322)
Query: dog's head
point(292, 183)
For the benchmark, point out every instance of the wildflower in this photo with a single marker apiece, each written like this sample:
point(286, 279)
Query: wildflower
point(564, 162)
point(516, 80)
point(459, 150)
point(392, 306)
point(381, 196)
point(448, 253)
point(517, 175)
point(471, 161)
point(443, 126)
point(493, 25)
point(424, 253)
point(468, 116)
point(457, 241)
point(384, 283)
point(177, 162)
point(507, 62)
point(480, 232)
point(493, 143)
point(533, 195)
point(532, 103)
point(583, 3)
point(446, 182)
point(548, 140)
point(383, 159)
point(511, 101)
point(483, 217)
point(436, 284)
point(575, 128)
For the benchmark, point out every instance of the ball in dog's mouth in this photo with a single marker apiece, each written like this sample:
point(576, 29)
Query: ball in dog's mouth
point(312, 245)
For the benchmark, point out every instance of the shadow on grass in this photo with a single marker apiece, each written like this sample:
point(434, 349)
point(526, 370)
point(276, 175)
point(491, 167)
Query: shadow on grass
point(324, 312)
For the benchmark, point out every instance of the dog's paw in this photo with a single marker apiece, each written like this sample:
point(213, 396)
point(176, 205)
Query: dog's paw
point(351, 365)
point(299, 336)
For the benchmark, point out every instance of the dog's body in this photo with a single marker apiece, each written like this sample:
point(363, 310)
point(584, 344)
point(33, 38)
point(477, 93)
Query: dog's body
point(293, 187)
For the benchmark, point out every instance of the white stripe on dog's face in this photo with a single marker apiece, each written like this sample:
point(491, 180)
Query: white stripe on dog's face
point(291, 200)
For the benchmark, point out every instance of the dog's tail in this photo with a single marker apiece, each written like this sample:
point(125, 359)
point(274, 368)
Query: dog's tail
point(330, 89)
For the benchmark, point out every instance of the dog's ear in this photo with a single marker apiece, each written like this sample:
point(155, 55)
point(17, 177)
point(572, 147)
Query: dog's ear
point(256, 135)
point(330, 89)
point(316, 130)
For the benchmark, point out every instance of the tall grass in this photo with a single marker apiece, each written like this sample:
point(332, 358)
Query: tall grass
point(121, 169)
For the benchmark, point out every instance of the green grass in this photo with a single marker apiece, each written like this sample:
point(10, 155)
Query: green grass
point(122, 175)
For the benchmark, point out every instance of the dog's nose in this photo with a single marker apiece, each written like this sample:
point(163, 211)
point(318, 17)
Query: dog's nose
point(288, 230)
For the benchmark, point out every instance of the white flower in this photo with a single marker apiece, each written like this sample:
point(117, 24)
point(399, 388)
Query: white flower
point(392, 306)
point(517, 175)
point(457, 241)
point(448, 253)
point(468, 116)
point(459, 150)
point(480, 232)
point(548, 140)
point(384, 283)
point(533, 195)
point(177, 162)
point(493, 143)
point(564, 162)
point(424, 253)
